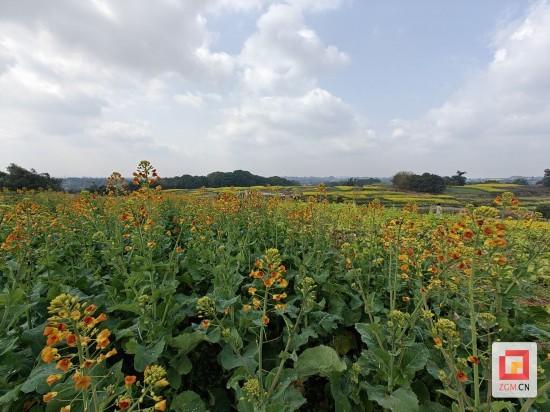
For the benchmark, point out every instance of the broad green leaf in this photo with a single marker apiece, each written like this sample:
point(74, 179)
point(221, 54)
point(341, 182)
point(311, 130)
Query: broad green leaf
point(320, 360)
point(187, 341)
point(37, 377)
point(188, 401)
point(143, 355)
point(401, 400)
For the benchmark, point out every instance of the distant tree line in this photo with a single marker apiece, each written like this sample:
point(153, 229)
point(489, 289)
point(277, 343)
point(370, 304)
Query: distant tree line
point(354, 181)
point(546, 179)
point(17, 177)
point(426, 182)
point(223, 179)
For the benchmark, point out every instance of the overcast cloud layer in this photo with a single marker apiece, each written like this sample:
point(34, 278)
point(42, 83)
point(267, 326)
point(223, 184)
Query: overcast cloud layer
point(92, 86)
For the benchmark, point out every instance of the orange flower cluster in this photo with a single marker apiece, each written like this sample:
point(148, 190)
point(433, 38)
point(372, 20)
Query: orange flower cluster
point(74, 342)
point(268, 284)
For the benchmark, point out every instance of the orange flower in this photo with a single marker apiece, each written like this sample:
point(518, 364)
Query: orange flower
point(129, 380)
point(81, 381)
point(48, 330)
point(71, 339)
point(124, 403)
point(65, 409)
point(64, 364)
point(49, 396)
point(468, 234)
point(88, 363)
point(265, 320)
point(102, 338)
point(112, 352)
point(279, 296)
point(205, 324)
point(53, 338)
point(160, 406)
point(500, 260)
point(473, 359)
point(89, 321)
point(51, 379)
point(269, 282)
point(438, 342)
point(283, 283)
point(49, 354)
point(461, 376)
point(280, 306)
point(101, 318)
point(252, 291)
point(246, 308)
point(256, 303)
point(90, 309)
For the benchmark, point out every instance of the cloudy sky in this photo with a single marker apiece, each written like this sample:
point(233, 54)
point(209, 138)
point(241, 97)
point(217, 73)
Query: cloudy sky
point(286, 87)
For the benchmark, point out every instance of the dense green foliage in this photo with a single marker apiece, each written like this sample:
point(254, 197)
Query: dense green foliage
point(426, 182)
point(546, 179)
point(354, 181)
point(18, 177)
point(238, 178)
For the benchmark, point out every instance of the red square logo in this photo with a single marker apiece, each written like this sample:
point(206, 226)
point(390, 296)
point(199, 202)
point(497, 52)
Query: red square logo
point(514, 365)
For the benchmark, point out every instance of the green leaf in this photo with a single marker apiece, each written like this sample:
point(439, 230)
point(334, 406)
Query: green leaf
point(497, 406)
point(290, 400)
point(182, 364)
point(188, 401)
point(37, 377)
point(401, 400)
point(144, 355)
point(369, 333)
point(320, 360)
point(126, 307)
point(187, 341)
point(230, 360)
point(10, 396)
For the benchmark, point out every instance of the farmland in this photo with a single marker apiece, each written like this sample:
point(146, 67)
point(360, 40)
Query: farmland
point(221, 300)
point(453, 197)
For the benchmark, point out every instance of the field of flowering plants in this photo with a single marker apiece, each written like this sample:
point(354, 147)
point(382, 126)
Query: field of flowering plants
point(154, 301)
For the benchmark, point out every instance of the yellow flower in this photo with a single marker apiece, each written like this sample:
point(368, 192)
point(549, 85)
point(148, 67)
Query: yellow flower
point(49, 354)
point(49, 396)
point(160, 406)
point(252, 291)
point(256, 303)
point(65, 409)
point(81, 381)
point(102, 338)
point(246, 308)
point(162, 383)
point(51, 379)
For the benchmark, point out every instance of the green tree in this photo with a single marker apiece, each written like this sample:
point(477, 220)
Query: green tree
point(18, 177)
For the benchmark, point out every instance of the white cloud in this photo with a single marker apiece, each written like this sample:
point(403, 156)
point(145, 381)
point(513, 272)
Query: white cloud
point(503, 110)
point(284, 54)
point(315, 122)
